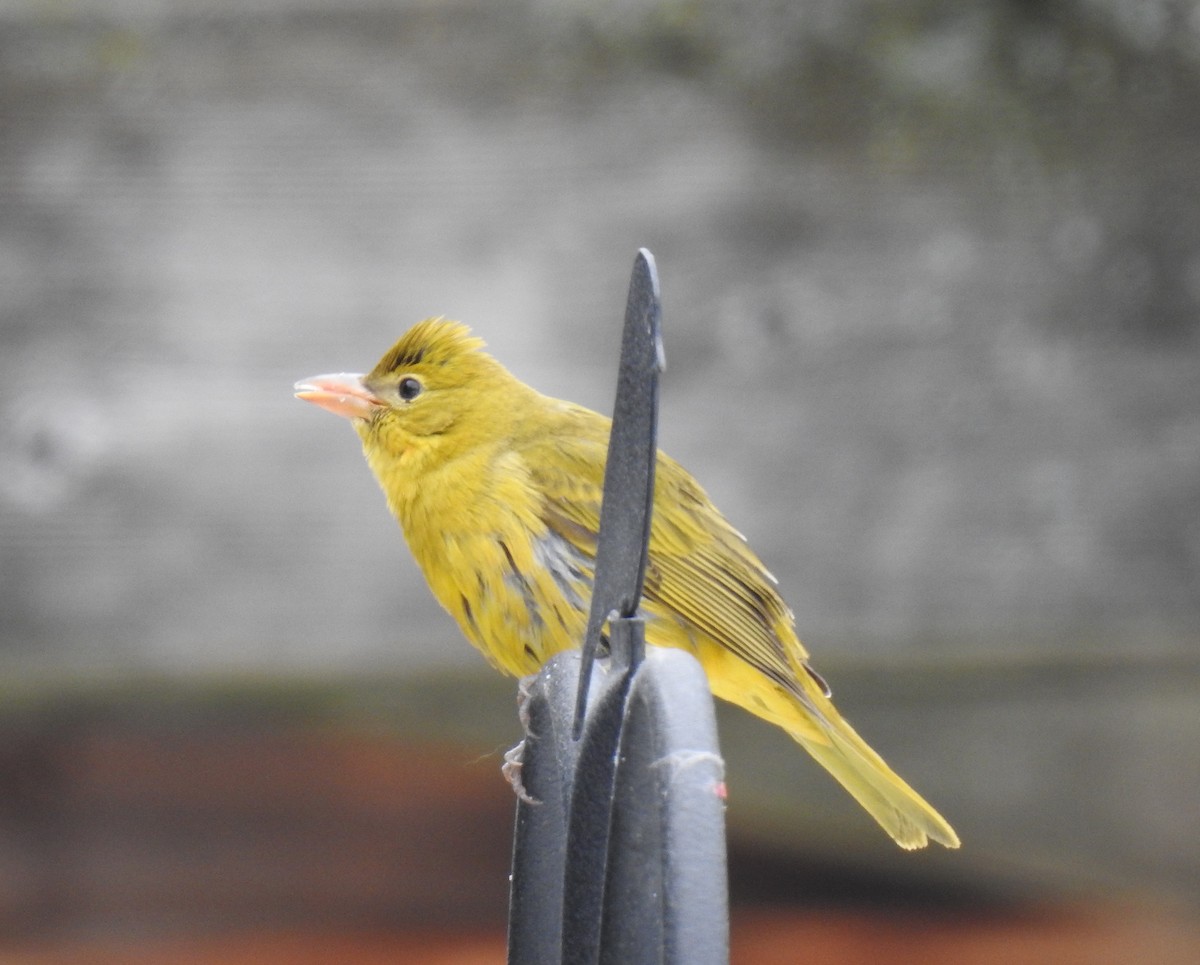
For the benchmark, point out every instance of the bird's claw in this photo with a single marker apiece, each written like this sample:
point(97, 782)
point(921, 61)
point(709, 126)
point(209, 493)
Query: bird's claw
point(514, 762)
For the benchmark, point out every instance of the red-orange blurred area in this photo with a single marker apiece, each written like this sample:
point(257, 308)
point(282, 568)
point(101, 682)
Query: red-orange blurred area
point(113, 829)
point(759, 938)
point(412, 947)
point(131, 843)
point(1045, 937)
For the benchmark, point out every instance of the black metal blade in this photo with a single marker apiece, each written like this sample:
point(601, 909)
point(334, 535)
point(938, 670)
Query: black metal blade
point(628, 498)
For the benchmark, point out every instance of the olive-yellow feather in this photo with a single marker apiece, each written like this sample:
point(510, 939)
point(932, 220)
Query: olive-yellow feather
point(497, 489)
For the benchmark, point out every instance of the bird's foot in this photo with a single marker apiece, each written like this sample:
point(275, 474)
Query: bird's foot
point(514, 762)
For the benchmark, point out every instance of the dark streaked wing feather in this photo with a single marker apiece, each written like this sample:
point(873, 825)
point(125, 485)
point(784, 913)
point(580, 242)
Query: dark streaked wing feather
point(700, 568)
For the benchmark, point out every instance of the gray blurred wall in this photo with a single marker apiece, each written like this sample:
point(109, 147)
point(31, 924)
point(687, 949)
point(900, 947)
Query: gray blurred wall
point(932, 276)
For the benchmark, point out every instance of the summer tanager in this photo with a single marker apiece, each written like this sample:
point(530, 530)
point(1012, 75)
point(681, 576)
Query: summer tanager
point(497, 489)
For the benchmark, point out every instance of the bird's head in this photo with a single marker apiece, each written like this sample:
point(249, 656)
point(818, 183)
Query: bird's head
point(435, 390)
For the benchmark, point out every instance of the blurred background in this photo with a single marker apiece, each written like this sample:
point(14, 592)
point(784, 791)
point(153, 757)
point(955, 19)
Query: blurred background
point(931, 275)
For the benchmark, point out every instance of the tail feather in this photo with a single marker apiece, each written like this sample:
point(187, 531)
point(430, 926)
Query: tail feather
point(808, 715)
point(900, 810)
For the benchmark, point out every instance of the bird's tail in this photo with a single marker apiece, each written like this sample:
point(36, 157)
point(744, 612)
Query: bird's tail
point(808, 715)
point(901, 811)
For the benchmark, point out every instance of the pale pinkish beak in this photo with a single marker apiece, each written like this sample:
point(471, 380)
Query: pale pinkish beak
point(342, 394)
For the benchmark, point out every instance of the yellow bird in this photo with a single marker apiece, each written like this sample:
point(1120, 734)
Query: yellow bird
point(498, 487)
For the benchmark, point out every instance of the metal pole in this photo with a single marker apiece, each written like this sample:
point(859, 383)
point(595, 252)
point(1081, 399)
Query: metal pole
point(622, 860)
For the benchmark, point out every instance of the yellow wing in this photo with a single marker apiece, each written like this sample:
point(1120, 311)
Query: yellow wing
point(703, 583)
point(707, 592)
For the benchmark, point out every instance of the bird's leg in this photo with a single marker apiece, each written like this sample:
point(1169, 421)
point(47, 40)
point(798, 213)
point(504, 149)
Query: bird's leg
point(514, 758)
point(524, 692)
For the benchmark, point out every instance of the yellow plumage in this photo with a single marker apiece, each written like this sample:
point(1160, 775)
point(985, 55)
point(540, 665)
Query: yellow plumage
point(497, 489)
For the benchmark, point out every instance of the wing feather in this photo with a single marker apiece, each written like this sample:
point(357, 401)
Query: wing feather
point(701, 573)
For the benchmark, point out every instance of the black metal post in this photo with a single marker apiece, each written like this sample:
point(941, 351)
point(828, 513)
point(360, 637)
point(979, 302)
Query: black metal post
point(622, 860)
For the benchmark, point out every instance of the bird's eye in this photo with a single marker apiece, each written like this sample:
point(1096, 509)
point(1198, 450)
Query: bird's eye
point(409, 388)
